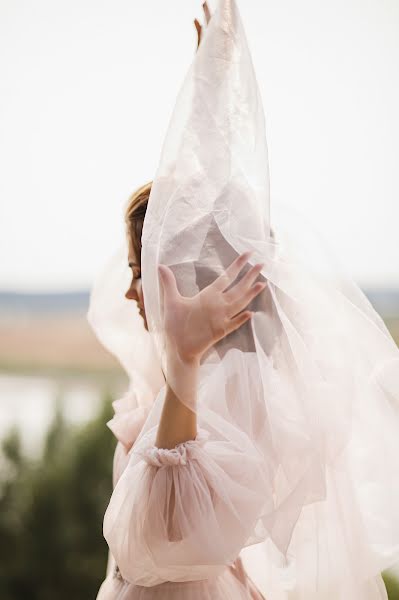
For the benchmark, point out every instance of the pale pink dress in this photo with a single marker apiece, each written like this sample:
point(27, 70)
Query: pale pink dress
point(194, 567)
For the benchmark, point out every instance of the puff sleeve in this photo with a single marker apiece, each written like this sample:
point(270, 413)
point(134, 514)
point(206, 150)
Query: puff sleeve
point(184, 514)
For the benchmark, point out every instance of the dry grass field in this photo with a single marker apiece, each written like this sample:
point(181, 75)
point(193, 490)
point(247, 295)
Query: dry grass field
point(393, 326)
point(56, 342)
point(64, 342)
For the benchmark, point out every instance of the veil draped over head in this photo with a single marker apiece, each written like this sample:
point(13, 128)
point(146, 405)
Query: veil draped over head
point(308, 389)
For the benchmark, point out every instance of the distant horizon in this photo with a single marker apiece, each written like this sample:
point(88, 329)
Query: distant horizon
point(385, 301)
point(389, 287)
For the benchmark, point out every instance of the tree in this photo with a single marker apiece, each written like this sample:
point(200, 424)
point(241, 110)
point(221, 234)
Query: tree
point(51, 512)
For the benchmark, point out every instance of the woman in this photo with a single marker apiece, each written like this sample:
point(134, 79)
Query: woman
point(243, 438)
point(177, 430)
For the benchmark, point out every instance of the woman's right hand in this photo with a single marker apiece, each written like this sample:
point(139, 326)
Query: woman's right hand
point(194, 324)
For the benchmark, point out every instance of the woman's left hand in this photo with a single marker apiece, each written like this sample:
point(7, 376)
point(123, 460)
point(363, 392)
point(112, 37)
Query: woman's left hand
point(197, 24)
point(192, 325)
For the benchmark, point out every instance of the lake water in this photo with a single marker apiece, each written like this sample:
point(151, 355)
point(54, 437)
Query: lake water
point(28, 402)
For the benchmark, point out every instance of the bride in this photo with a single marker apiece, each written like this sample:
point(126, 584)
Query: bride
point(184, 481)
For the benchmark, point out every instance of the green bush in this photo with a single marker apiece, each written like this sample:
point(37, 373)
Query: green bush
point(392, 584)
point(51, 512)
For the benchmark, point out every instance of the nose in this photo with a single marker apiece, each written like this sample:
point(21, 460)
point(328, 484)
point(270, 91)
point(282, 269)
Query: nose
point(134, 291)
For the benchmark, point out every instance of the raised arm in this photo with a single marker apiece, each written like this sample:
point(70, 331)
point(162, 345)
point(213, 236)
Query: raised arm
point(191, 327)
point(197, 24)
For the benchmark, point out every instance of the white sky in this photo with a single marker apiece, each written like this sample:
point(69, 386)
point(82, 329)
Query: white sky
point(87, 88)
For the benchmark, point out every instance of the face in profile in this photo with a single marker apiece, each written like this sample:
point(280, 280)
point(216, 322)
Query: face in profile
point(135, 291)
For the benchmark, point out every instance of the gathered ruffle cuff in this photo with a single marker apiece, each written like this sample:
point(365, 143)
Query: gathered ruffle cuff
point(179, 455)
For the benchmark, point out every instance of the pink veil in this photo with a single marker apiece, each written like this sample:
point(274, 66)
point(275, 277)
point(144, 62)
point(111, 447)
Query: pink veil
point(310, 384)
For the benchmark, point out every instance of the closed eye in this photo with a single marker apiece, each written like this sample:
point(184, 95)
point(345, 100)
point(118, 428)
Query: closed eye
point(135, 271)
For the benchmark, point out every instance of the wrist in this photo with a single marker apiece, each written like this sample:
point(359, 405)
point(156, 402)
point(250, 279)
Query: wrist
point(177, 360)
point(182, 376)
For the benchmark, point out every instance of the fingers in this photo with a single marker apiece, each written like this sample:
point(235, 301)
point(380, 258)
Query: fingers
point(168, 281)
point(242, 302)
point(199, 29)
point(207, 12)
point(244, 284)
point(239, 320)
point(229, 275)
point(197, 24)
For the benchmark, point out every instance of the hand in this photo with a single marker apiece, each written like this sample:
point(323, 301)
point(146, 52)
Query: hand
point(197, 24)
point(192, 325)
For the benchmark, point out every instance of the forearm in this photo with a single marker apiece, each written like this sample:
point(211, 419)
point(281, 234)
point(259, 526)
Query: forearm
point(178, 422)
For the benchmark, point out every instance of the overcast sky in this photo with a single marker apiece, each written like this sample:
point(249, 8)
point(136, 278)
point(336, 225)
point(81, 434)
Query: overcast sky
point(87, 88)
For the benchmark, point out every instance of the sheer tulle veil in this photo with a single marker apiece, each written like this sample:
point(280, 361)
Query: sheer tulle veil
point(312, 379)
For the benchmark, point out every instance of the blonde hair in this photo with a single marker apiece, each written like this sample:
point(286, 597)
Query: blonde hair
point(135, 210)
